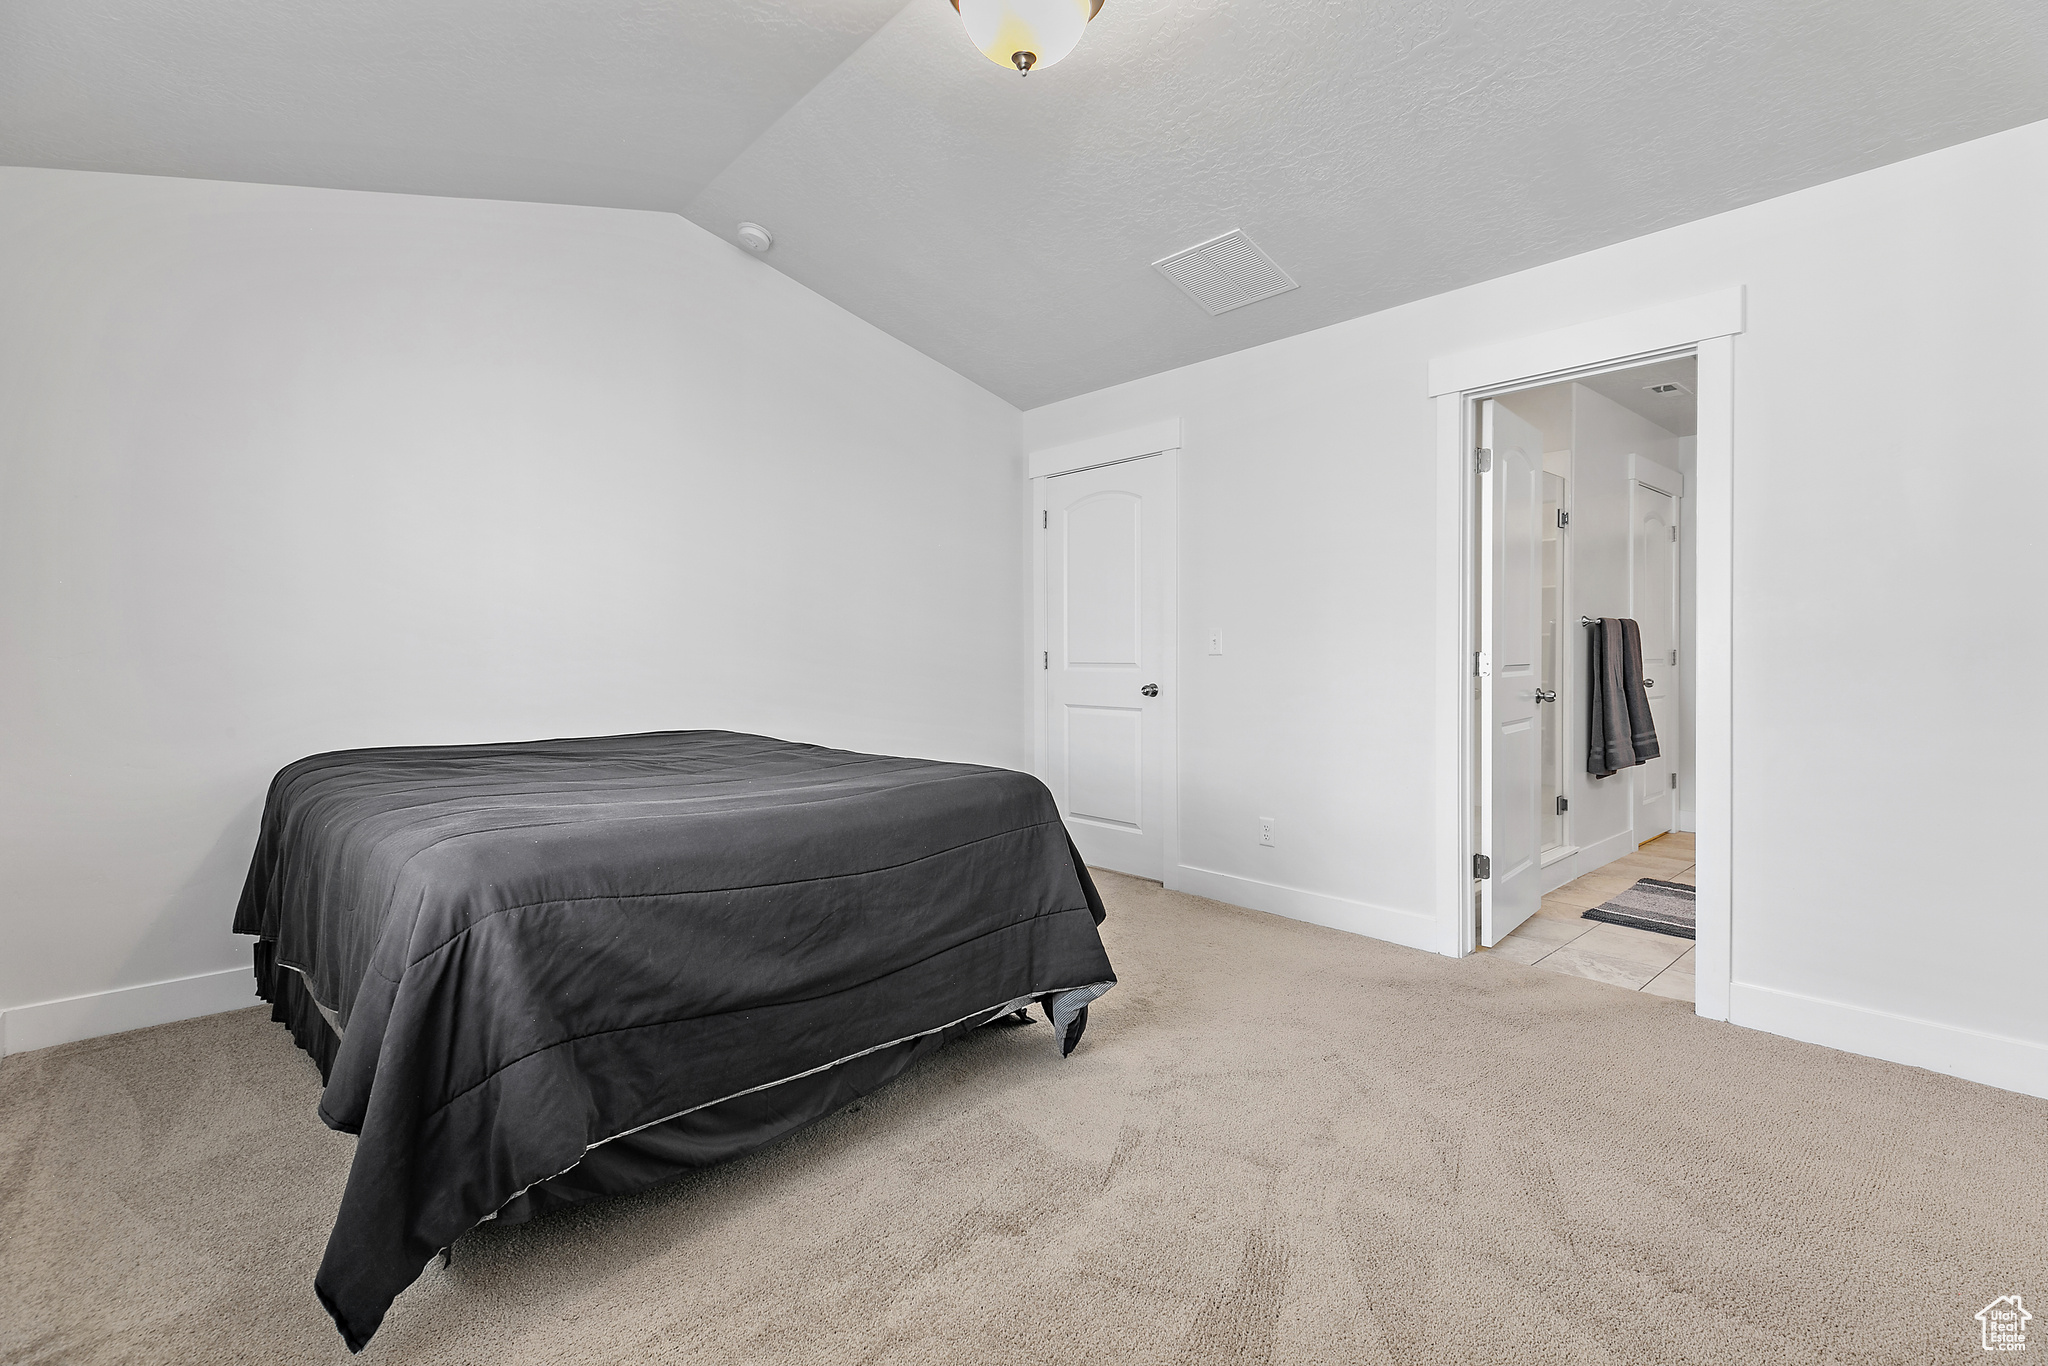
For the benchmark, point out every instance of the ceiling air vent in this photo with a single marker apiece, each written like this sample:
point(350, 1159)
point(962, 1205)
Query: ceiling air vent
point(1225, 272)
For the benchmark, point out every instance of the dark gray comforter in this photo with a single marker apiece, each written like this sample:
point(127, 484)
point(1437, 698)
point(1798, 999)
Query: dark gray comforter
point(530, 949)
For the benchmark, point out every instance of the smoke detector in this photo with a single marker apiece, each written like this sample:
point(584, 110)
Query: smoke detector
point(1225, 272)
point(754, 237)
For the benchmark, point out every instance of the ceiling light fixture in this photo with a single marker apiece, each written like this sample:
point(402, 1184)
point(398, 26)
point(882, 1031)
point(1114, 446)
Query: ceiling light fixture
point(1026, 34)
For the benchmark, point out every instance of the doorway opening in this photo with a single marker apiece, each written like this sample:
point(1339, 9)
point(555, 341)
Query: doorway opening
point(1582, 518)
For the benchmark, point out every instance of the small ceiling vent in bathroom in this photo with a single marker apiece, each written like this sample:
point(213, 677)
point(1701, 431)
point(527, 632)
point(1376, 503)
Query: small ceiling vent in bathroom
point(1225, 272)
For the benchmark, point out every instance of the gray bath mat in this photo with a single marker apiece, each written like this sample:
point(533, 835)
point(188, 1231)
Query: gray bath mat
point(1666, 907)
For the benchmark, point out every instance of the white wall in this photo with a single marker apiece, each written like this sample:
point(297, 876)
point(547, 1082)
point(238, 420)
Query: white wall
point(287, 470)
point(1886, 598)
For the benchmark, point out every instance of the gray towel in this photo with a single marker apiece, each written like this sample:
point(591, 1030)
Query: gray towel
point(1619, 731)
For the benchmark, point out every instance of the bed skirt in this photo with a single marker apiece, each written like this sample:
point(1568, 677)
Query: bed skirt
point(731, 1128)
point(704, 1137)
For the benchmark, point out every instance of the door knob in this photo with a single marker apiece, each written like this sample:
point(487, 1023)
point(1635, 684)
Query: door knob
point(1649, 682)
point(1545, 695)
point(1150, 690)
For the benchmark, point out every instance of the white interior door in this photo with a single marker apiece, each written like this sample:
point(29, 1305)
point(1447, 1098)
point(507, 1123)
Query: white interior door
point(1653, 602)
point(1510, 643)
point(1109, 568)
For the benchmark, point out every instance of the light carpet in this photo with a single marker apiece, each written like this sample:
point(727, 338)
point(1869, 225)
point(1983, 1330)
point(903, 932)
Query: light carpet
point(1277, 1144)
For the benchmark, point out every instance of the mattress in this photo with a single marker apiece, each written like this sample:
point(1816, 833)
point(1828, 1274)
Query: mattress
point(542, 971)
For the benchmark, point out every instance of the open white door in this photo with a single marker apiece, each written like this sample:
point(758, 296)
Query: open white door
point(1653, 601)
point(1109, 560)
point(1510, 692)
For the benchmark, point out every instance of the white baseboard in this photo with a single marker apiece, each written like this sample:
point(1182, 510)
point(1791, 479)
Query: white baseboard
point(1600, 853)
point(1415, 930)
point(110, 1012)
point(1585, 859)
point(1554, 874)
point(1993, 1059)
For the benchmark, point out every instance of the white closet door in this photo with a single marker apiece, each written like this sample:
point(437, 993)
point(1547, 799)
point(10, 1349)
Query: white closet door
point(1109, 562)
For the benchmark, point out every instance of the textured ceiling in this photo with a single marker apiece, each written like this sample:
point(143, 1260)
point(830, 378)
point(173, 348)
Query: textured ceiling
point(1381, 152)
point(624, 103)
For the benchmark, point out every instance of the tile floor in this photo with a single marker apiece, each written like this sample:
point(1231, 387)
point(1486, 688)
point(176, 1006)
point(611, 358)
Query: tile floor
point(1559, 939)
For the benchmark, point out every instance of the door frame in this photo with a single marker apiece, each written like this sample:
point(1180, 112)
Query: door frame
point(1156, 440)
point(1705, 326)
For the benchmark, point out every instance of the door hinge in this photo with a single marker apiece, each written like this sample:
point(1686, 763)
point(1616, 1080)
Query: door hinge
point(1564, 804)
point(1046, 662)
point(1564, 519)
point(1674, 782)
point(1674, 533)
point(1482, 667)
point(1674, 658)
point(1482, 460)
point(1482, 867)
point(1044, 518)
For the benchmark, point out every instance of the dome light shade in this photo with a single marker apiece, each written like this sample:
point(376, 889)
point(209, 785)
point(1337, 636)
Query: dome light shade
point(1026, 34)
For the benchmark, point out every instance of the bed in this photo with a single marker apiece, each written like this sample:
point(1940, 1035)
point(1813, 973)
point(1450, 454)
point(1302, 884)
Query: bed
point(544, 972)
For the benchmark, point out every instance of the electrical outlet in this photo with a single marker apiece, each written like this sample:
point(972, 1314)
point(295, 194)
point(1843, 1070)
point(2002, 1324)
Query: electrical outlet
point(1266, 831)
point(1216, 640)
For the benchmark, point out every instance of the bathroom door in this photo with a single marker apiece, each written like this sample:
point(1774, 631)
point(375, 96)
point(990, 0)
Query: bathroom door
point(1511, 688)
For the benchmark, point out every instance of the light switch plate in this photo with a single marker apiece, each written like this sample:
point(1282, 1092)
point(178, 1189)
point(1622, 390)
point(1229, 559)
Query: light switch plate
point(1216, 641)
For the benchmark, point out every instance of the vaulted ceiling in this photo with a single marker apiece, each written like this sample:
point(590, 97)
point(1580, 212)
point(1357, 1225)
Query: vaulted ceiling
point(1380, 150)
